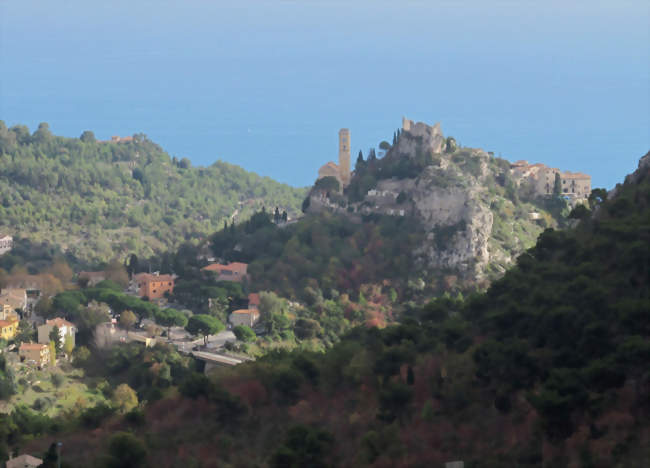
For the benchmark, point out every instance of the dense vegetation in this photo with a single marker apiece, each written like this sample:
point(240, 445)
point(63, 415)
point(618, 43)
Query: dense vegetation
point(98, 200)
point(548, 368)
point(324, 253)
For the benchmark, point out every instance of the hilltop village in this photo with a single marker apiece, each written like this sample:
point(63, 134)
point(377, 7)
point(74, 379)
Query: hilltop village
point(542, 180)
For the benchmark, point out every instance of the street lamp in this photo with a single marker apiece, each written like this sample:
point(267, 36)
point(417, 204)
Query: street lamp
point(58, 454)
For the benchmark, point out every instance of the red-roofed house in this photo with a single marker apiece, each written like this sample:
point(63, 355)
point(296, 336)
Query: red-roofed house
point(8, 328)
point(37, 352)
point(235, 271)
point(254, 301)
point(65, 329)
point(154, 286)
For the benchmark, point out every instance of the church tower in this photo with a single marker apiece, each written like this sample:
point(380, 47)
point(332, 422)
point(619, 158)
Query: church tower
point(344, 156)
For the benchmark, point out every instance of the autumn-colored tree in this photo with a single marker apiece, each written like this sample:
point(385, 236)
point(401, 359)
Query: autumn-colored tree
point(127, 319)
point(124, 398)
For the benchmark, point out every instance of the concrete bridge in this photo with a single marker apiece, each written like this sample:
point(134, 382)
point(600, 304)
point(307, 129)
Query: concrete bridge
point(213, 360)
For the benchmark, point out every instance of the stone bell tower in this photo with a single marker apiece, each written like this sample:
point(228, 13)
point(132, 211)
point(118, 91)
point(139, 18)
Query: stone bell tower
point(344, 156)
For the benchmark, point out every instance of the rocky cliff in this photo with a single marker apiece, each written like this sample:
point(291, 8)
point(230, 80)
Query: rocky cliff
point(475, 219)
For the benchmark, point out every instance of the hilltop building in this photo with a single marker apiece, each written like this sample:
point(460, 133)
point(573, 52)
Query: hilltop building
point(340, 171)
point(576, 186)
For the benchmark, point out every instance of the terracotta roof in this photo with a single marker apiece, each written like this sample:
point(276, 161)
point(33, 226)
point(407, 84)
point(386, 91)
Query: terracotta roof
point(254, 298)
point(149, 278)
point(6, 323)
point(244, 311)
point(575, 175)
point(59, 322)
point(234, 267)
point(32, 346)
point(331, 164)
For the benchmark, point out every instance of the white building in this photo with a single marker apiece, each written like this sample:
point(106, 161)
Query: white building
point(65, 329)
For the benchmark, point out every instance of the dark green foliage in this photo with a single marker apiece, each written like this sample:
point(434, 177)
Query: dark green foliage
point(170, 318)
point(126, 451)
point(557, 185)
point(204, 325)
point(394, 399)
point(326, 250)
point(7, 385)
point(327, 184)
point(304, 446)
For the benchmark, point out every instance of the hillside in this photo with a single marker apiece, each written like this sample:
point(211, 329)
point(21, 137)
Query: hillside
point(476, 213)
point(98, 200)
point(548, 368)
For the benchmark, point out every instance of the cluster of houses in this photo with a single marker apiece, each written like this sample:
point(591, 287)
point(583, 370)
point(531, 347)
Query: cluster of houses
point(575, 186)
point(237, 272)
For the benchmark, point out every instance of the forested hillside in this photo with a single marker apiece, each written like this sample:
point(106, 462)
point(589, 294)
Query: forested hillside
point(99, 200)
point(548, 368)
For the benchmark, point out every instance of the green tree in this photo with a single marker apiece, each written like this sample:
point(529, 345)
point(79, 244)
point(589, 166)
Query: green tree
point(126, 451)
point(244, 333)
point(128, 319)
point(170, 318)
point(57, 379)
point(557, 185)
point(88, 137)
point(68, 346)
point(55, 337)
point(81, 356)
point(43, 133)
point(26, 332)
point(124, 398)
point(52, 353)
point(204, 325)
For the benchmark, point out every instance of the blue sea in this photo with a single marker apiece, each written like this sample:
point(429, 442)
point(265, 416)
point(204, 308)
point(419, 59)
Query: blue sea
point(267, 84)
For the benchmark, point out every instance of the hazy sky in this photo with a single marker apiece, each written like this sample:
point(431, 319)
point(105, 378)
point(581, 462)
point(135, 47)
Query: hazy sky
point(267, 84)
